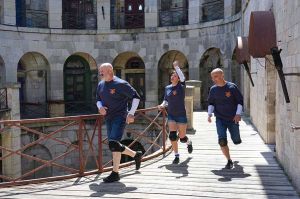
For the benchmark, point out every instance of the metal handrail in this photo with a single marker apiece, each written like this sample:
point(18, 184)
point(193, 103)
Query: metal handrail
point(88, 147)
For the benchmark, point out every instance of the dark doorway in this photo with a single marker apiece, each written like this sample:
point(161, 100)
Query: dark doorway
point(78, 87)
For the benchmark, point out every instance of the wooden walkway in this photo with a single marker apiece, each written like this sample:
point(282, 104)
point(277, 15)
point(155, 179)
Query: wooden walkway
point(256, 174)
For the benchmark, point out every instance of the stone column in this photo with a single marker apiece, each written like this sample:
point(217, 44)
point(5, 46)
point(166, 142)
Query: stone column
point(55, 14)
point(229, 6)
point(56, 102)
point(151, 84)
point(11, 166)
point(197, 93)
point(194, 11)
point(189, 94)
point(270, 101)
point(151, 13)
point(9, 12)
point(103, 14)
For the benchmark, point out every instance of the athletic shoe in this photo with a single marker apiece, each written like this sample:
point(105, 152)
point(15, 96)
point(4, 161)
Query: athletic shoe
point(138, 160)
point(190, 147)
point(229, 165)
point(176, 160)
point(113, 177)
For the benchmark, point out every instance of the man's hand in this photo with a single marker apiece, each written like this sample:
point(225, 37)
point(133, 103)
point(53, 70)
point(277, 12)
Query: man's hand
point(175, 64)
point(160, 107)
point(209, 119)
point(129, 119)
point(102, 110)
point(237, 119)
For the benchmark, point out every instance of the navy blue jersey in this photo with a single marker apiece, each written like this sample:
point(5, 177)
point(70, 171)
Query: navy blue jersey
point(175, 95)
point(225, 100)
point(115, 95)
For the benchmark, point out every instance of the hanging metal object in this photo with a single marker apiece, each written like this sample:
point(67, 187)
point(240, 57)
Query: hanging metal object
point(262, 42)
point(243, 56)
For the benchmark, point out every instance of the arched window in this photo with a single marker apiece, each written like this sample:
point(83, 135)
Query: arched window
point(131, 67)
point(79, 14)
point(32, 13)
point(33, 76)
point(78, 87)
point(173, 12)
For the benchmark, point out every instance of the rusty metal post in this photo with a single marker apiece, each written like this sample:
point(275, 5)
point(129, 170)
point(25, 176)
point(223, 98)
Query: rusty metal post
point(80, 147)
point(164, 129)
point(100, 160)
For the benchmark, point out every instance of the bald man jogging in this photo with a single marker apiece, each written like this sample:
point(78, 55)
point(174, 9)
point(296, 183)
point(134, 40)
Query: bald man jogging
point(226, 102)
point(113, 95)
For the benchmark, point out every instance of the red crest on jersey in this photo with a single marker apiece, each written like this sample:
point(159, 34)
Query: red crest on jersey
point(228, 94)
point(112, 91)
point(174, 92)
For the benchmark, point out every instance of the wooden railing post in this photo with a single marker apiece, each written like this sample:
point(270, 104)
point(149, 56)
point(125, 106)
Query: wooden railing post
point(80, 147)
point(164, 129)
point(100, 160)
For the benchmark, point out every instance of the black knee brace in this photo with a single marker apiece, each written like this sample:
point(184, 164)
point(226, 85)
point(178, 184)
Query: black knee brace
point(184, 139)
point(223, 142)
point(116, 146)
point(173, 136)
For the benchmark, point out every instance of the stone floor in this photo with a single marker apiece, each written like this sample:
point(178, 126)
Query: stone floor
point(256, 174)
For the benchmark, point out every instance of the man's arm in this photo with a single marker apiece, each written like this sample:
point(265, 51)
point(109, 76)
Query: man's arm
point(179, 73)
point(102, 109)
point(210, 110)
point(128, 91)
point(240, 102)
point(211, 106)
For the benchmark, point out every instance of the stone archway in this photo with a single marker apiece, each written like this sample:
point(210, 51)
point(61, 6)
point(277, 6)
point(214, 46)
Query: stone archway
point(130, 66)
point(33, 76)
point(80, 83)
point(41, 152)
point(211, 59)
point(165, 68)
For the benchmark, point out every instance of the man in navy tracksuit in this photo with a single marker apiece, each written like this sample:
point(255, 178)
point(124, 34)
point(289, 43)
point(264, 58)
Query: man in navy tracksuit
point(226, 102)
point(113, 95)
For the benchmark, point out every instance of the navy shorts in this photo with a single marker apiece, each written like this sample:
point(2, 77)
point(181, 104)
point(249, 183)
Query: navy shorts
point(233, 128)
point(177, 119)
point(115, 128)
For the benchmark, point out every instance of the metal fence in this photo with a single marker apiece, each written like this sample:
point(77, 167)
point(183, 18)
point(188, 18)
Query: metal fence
point(212, 10)
point(33, 18)
point(88, 147)
point(173, 17)
point(74, 21)
point(121, 20)
point(3, 99)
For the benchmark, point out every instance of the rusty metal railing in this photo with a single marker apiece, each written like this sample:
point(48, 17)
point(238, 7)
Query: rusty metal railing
point(68, 147)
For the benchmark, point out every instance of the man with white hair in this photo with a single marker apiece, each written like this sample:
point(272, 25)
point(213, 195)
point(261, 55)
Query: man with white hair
point(113, 95)
point(226, 102)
